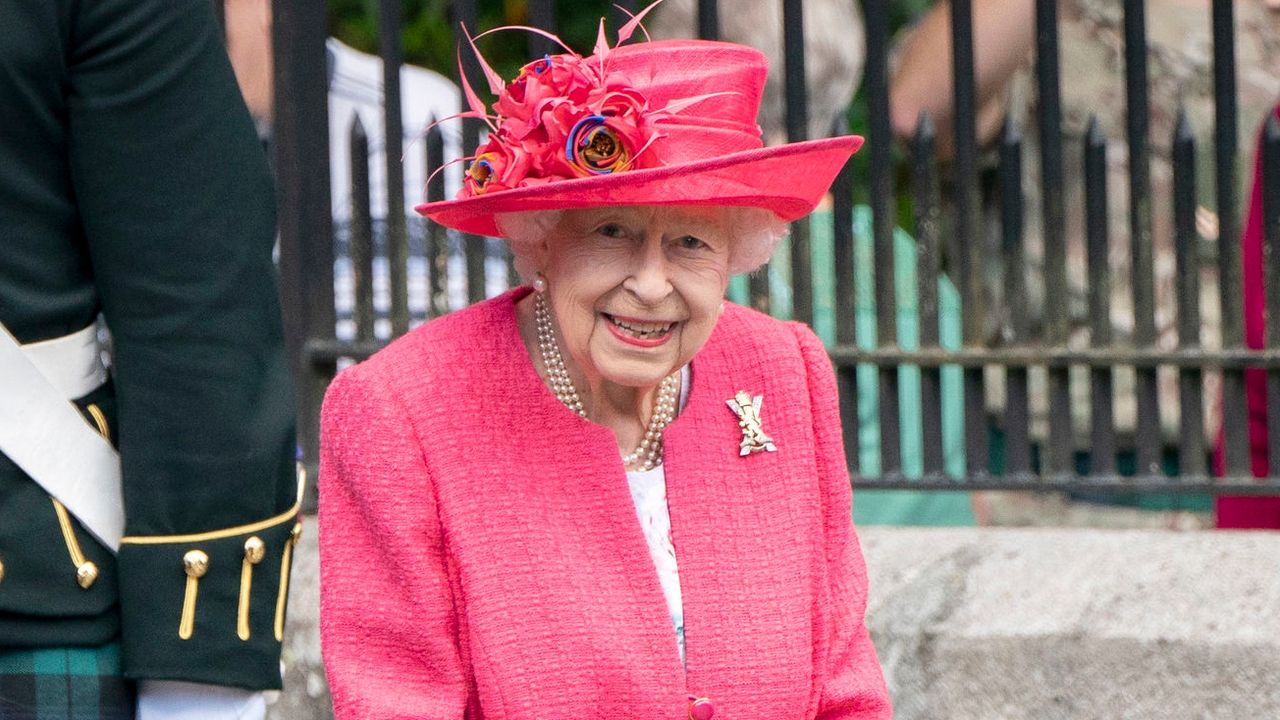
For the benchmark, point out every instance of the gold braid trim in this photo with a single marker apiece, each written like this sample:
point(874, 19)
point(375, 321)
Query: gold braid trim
point(86, 571)
point(226, 532)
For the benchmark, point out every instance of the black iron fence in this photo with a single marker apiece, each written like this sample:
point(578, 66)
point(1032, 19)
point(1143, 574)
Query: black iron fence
point(1001, 448)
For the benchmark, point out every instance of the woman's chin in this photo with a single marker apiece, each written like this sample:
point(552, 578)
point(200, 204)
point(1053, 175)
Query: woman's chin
point(630, 372)
point(643, 381)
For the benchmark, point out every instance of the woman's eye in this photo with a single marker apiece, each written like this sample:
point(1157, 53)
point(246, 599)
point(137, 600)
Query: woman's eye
point(612, 230)
point(689, 242)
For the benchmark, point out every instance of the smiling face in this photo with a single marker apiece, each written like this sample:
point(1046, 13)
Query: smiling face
point(636, 290)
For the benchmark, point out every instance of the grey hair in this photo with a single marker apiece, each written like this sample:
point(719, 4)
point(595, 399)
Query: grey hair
point(755, 234)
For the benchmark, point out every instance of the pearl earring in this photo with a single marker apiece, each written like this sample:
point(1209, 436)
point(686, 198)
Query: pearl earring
point(539, 283)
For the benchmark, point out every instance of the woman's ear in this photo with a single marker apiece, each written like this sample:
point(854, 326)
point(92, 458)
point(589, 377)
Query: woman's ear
point(542, 251)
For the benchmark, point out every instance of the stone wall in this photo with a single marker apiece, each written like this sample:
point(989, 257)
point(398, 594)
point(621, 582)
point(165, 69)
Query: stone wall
point(1021, 623)
point(1048, 624)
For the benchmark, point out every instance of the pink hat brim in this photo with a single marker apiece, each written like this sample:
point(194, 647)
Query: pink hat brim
point(788, 179)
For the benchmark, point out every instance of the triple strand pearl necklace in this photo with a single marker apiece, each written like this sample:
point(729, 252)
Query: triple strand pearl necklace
point(648, 454)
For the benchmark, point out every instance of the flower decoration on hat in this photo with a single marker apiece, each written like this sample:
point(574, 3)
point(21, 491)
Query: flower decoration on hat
point(563, 117)
point(595, 147)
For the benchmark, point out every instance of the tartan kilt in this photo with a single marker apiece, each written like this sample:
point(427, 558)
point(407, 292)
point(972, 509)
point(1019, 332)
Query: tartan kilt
point(65, 684)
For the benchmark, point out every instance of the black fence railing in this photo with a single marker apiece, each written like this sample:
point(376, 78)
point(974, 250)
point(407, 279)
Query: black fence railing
point(1037, 361)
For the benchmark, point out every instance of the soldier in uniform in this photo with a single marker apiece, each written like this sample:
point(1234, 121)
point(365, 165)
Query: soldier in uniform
point(145, 544)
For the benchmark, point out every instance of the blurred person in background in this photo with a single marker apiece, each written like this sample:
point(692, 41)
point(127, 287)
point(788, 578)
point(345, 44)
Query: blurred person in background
point(355, 81)
point(921, 82)
point(1241, 513)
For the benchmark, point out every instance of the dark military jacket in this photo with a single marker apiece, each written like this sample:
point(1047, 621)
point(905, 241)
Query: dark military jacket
point(132, 185)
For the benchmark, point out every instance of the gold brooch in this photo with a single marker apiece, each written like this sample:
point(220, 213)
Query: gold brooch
point(747, 408)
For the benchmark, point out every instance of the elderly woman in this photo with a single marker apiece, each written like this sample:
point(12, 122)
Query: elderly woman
point(610, 494)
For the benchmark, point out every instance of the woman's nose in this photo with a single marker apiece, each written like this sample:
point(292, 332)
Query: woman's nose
point(649, 280)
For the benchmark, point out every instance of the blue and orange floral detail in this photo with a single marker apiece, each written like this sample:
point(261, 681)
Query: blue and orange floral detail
point(481, 170)
point(593, 147)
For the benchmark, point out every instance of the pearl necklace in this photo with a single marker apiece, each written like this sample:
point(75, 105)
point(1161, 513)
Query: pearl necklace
point(648, 454)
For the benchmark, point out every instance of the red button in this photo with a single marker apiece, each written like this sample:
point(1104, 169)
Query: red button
point(701, 709)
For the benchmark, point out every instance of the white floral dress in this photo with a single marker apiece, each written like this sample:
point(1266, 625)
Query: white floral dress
point(649, 492)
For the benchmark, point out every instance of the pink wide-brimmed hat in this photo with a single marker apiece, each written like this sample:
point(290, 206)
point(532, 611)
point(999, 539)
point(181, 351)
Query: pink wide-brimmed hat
point(655, 123)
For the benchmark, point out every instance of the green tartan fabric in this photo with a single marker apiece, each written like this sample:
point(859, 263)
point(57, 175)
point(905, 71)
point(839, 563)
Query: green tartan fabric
point(64, 684)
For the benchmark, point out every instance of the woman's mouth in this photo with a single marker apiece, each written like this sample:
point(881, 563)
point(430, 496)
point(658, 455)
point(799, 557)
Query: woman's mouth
point(646, 333)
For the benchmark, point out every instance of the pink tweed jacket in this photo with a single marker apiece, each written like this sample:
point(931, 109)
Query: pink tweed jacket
point(481, 558)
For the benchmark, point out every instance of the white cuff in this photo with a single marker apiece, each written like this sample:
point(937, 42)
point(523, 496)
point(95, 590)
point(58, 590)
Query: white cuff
point(179, 700)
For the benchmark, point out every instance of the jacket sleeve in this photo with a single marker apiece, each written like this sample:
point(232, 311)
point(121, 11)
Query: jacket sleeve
point(851, 682)
point(388, 622)
point(176, 203)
